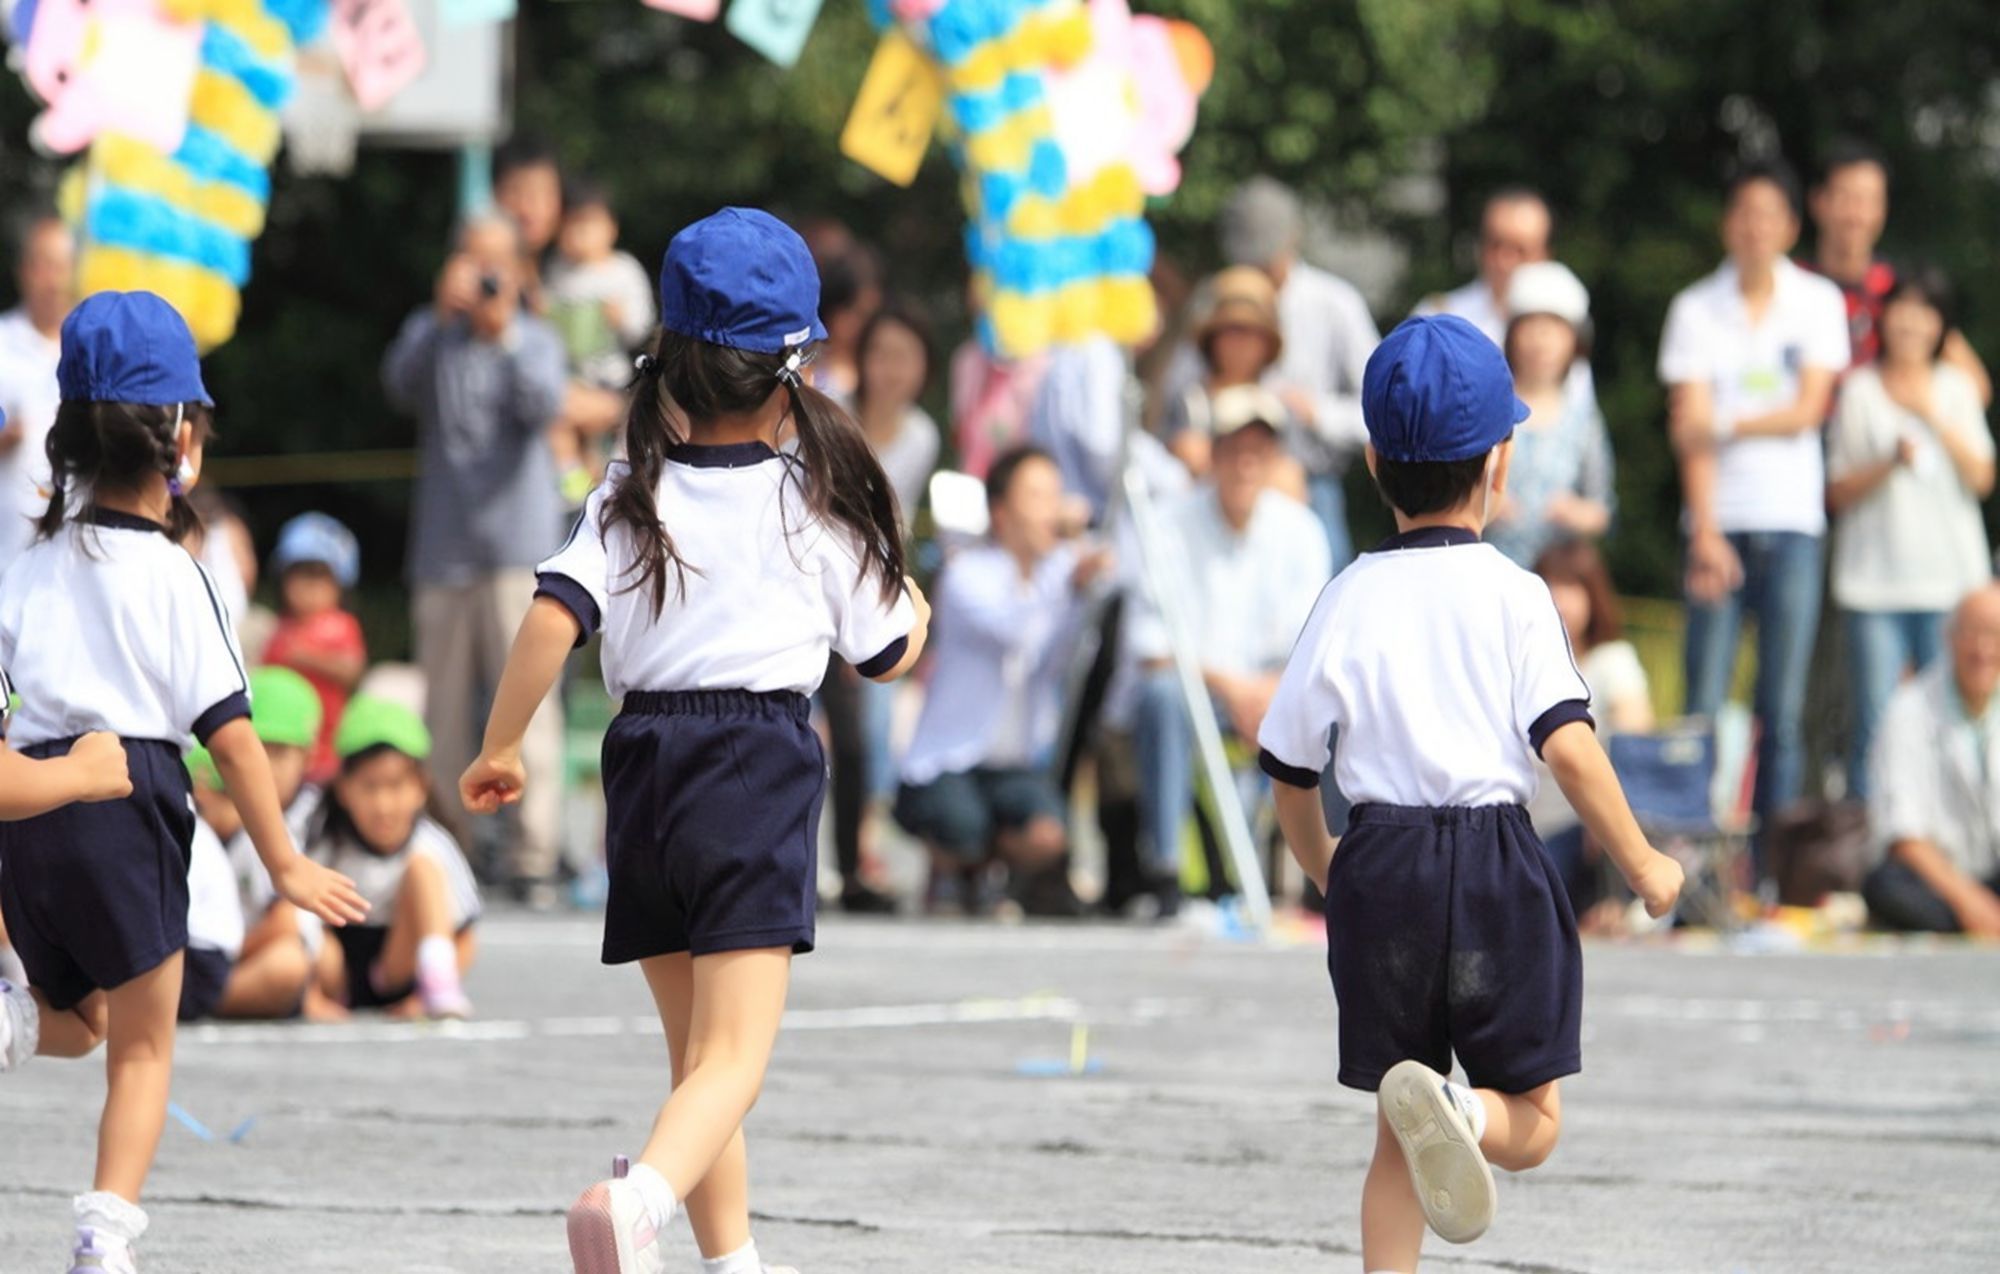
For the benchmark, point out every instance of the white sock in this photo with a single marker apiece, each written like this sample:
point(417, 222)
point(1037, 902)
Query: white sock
point(437, 959)
point(743, 1260)
point(1470, 1106)
point(657, 1195)
point(112, 1219)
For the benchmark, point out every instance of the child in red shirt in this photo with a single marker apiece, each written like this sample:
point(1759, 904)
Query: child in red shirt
point(316, 562)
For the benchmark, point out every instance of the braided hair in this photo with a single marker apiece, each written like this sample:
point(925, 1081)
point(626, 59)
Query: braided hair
point(95, 447)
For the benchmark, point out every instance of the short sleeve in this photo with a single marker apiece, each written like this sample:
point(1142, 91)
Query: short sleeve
point(1826, 340)
point(6, 702)
point(1684, 355)
point(1958, 403)
point(870, 633)
point(1292, 742)
point(577, 576)
point(1549, 691)
point(210, 686)
point(1847, 435)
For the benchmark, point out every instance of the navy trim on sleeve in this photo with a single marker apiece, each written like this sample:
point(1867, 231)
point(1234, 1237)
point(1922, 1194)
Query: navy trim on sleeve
point(572, 597)
point(892, 654)
point(219, 715)
point(1564, 713)
point(1289, 775)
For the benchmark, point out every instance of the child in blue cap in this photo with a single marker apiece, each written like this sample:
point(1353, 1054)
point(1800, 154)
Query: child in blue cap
point(111, 626)
point(750, 532)
point(1447, 670)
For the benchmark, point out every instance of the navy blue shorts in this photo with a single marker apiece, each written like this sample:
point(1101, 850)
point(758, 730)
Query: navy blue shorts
point(1449, 931)
point(95, 895)
point(712, 801)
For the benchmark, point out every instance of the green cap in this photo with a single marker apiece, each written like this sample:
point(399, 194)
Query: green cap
point(284, 708)
point(201, 768)
point(370, 722)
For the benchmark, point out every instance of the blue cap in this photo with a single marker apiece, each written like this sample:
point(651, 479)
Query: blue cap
point(129, 347)
point(315, 537)
point(1437, 389)
point(744, 279)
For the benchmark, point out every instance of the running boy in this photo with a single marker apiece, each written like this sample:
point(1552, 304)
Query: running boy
point(752, 532)
point(1446, 669)
point(111, 625)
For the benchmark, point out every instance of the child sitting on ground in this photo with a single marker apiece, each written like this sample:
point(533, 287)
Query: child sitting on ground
point(411, 955)
point(1446, 669)
point(317, 562)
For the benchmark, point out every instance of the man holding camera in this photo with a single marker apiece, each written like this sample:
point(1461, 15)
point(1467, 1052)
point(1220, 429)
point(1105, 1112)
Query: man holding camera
point(484, 379)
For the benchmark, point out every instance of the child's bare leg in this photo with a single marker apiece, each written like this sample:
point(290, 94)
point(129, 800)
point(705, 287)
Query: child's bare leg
point(74, 1031)
point(139, 1066)
point(268, 983)
point(423, 910)
point(1392, 1223)
point(718, 1210)
point(1521, 1128)
point(739, 997)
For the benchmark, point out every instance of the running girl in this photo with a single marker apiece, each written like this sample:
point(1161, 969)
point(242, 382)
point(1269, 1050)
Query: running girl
point(752, 532)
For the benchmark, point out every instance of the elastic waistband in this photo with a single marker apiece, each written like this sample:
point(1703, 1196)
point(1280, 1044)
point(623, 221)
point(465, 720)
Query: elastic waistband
point(719, 703)
point(60, 747)
point(1432, 815)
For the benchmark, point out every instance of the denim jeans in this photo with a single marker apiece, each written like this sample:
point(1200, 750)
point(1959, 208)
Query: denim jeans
point(1781, 587)
point(1881, 646)
point(1329, 504)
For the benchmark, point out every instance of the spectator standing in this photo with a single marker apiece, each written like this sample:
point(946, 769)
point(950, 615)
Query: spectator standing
point(528, 191)
point(483, 379)
point(1850, 208)
point(978, 781)
point(1515, 228)
point(1909, 458)
point(1328, 336)
point(1934, 804)
point(1560, 485)
point(1239, 343)
point(1749, 357)
point(850, 287)
point(1247, 567)
point(29, 351)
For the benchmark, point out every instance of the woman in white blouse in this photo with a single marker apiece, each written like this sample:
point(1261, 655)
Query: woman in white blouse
point(1909, 458)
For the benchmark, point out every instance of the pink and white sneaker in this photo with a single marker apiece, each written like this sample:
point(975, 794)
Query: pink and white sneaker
point(611, 1230)
point(442, 994)
point(100, 1254)
point(20, 1025)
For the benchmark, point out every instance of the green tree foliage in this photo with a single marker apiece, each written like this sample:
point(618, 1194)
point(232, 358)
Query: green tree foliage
point(1625, 111)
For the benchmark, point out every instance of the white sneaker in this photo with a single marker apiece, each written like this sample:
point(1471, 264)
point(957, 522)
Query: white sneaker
point(611, 1230)
point(20, 1025)
point(99, 1254)
point(1453, 1183)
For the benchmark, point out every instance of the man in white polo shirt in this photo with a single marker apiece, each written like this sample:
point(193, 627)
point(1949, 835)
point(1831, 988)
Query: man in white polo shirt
point(1749, 358)
point(1247, 566)
point(29, 351)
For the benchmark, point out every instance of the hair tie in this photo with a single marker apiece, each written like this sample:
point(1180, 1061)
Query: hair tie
point(646, 365)
point(789, 373)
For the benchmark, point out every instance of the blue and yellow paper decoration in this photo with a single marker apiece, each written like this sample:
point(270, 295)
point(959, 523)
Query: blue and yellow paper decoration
point(1044, 100)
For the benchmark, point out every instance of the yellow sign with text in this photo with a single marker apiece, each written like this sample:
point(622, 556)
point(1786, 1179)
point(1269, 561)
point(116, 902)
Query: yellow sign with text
point(895, 114)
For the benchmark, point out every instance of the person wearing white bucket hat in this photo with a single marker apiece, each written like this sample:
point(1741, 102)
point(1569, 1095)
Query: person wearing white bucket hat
point(1561, 487)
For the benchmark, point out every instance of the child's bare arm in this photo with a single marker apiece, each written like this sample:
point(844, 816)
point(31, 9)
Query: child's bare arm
point(546, 637)
point(1584, 773)
point(94, 770)
point(246, 773)
point(1303, 821)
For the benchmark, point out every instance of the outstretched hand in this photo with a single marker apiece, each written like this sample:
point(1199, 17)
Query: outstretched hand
point(494, 780)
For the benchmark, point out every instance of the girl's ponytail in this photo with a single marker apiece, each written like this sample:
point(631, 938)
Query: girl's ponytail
point(844, 483)
point(649, 434)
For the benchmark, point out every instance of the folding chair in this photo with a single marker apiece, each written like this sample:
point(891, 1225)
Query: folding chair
point(1671, 779)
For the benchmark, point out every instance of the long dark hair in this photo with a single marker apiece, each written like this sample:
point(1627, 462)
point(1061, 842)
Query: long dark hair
point(835, 468)
point(115, 447)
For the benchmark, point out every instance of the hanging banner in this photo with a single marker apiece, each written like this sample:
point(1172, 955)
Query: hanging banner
point(775, 28)
point(379, 45)
point(895, 114)
point(472, 13)
point(698, 10)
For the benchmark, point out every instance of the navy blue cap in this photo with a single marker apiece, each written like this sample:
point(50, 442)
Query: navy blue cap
point(744, 279)
point(129, 347)
point(1437, 389)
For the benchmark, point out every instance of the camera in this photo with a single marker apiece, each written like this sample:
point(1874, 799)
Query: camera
point(489, 286)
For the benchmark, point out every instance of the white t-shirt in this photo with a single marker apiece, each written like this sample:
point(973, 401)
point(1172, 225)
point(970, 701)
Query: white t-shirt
point(1917, 542)
point(1761, 484)
point(215, 911)
point(1244, 595)
point(378, 877)
point(29, 396)
point(1444, 665)
point(112, 626)
point(997, 647)
point(769, 590)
